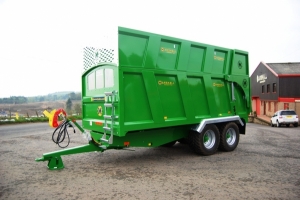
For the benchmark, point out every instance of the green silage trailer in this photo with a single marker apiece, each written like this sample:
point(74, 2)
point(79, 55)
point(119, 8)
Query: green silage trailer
point(150, 90)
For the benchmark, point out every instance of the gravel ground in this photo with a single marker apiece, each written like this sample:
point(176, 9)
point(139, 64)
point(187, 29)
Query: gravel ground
point(265, 165)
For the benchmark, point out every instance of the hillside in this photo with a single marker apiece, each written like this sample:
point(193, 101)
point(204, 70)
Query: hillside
point(32, 109)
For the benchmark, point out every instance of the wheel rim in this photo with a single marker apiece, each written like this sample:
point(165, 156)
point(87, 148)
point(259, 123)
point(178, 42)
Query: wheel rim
point(209, 139)
point(230, 136)
point(277, 124)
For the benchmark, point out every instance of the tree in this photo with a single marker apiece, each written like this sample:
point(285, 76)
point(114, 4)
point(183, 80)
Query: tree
point(72, 96)
point(78, 96)
point(69, 105)
point(41, 98)
point(77, 108)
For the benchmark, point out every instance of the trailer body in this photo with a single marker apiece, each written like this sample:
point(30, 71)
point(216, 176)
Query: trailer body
point(161, 84)
point(147, 90)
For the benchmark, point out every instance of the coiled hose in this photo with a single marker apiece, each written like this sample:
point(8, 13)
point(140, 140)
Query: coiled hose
point(62, 133)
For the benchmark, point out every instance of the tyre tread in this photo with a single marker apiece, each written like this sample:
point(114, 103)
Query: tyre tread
point(196, 141)
point(223, 143)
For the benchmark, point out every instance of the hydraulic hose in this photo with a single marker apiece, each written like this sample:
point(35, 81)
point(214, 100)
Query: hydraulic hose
point(62, 133)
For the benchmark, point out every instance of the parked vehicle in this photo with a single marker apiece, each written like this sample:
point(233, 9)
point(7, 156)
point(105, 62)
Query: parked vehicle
point(285, 117)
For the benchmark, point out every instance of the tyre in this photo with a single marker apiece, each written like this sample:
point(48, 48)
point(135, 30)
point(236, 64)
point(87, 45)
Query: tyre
point(272, 125)
point(295, 125)
point(205, 143)
point(229, 137)
point(277, 124)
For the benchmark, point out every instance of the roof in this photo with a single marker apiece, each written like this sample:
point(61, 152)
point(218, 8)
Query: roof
point(285, 68)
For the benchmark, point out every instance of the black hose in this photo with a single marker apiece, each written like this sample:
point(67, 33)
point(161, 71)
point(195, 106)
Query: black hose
point(62, 133)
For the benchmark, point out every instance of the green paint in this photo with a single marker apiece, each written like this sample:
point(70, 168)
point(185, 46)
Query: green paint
point(205, 138)
point(228, 135)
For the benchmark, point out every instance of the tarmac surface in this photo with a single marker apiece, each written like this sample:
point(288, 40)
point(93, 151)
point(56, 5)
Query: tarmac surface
point(265, 165)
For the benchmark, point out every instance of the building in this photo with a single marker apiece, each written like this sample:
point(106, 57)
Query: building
point(275, 86)
point(3, 113)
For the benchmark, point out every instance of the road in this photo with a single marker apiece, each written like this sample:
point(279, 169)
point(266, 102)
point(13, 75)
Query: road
point(10, 131)
point(265, 165)
point(15, 130)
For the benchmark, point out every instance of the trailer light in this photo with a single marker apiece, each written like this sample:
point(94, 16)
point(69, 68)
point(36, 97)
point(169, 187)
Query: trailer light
point(126, 144)
point(99, 123)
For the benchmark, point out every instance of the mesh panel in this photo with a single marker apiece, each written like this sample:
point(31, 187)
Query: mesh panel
point(93, 56)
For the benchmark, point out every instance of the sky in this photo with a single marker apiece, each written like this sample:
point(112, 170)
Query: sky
point(41, 41)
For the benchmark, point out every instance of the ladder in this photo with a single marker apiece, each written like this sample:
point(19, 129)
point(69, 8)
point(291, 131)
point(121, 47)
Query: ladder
point(110, 103)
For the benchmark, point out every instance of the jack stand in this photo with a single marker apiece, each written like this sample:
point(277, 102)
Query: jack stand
point(54, 158)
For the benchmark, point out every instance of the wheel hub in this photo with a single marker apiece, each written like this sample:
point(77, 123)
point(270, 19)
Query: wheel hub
point(209, 139)
point(230, 136)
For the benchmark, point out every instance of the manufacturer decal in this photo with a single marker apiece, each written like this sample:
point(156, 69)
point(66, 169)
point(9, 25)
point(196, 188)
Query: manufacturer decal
point(166, 83)
point(218, 84)
point(240, 64)
point(245, 83)
point(99, 110)
point(218, 58)
point(168, 50)
point(97, 99)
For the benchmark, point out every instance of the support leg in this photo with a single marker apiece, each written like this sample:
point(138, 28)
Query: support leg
point(54, 158)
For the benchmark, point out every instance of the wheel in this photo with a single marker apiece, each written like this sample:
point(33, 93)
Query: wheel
point(278, 124)
point(205, 143)
point(295, 125)
point(230, 136)
point(169, 144)
point(272, 125)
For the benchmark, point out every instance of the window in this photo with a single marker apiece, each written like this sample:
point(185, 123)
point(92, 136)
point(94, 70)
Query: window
point(91, 81)
point(262, 89)
point(288, 112)
point(101, 78)
point(268, 88)
point(109, 78)
point(274, 87)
